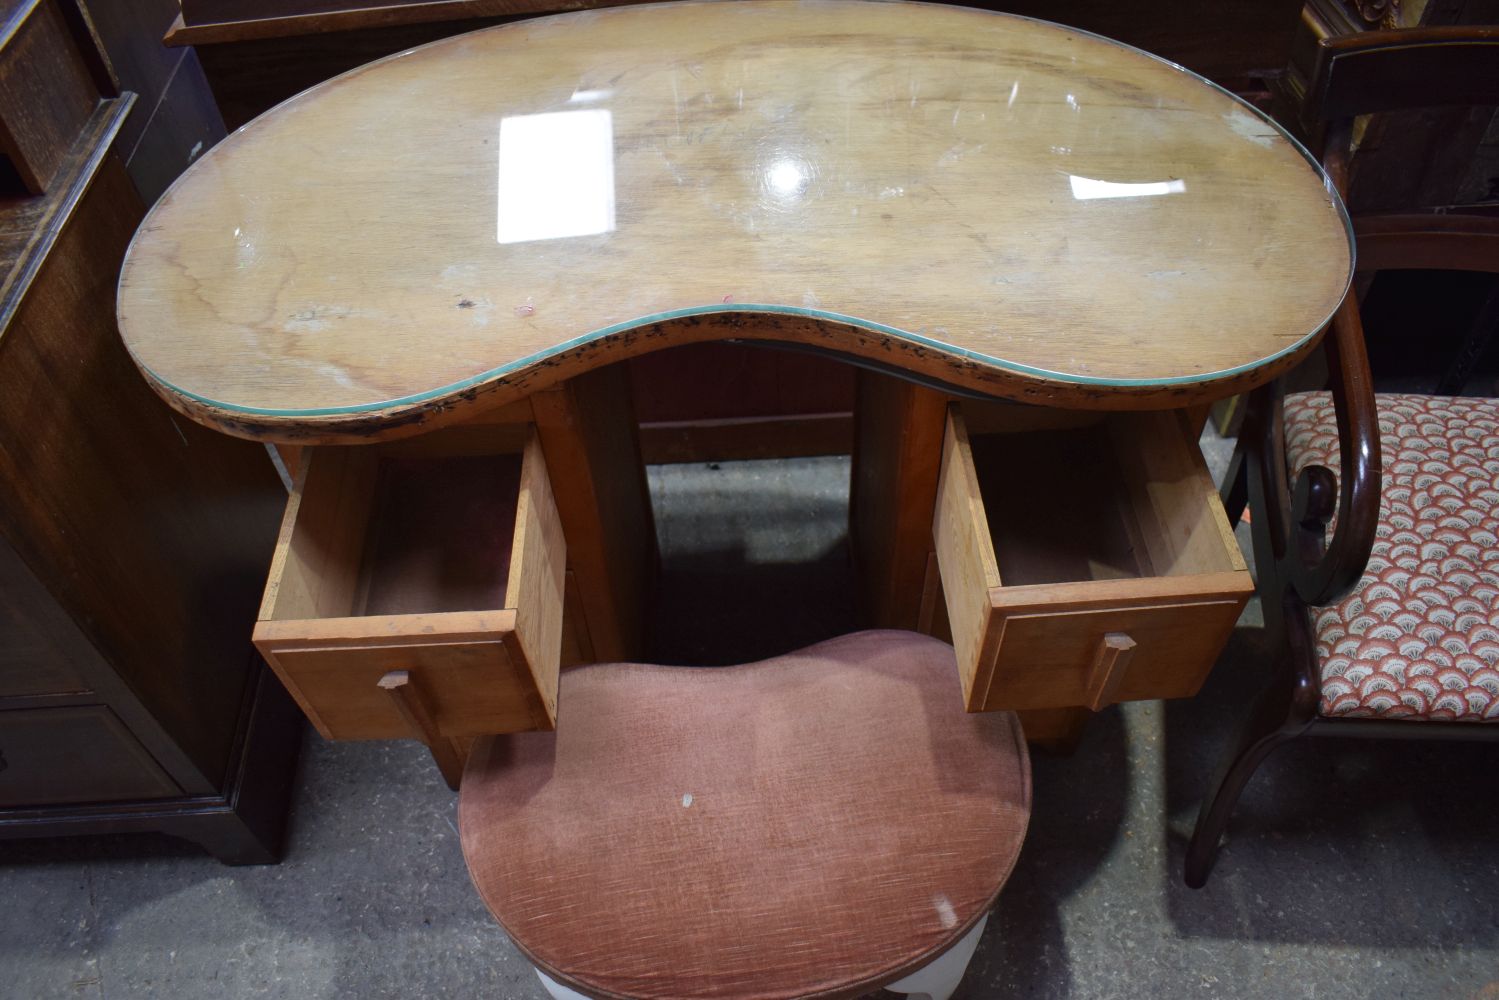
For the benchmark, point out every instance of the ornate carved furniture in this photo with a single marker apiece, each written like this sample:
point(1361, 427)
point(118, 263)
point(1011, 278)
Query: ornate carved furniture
point(1406, 648)
point(1411, 155)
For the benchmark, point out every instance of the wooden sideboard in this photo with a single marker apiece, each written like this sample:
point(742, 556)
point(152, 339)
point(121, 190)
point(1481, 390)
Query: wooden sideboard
point(133, 543)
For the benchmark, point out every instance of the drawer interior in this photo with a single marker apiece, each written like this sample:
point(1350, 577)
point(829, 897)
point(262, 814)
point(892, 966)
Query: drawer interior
point(378, 535)
point(440, 535)
point(418, 590)
point(1123, 498)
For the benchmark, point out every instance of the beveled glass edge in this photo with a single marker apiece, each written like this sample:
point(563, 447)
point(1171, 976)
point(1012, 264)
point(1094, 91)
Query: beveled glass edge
point(740, 309)
point(818, 314)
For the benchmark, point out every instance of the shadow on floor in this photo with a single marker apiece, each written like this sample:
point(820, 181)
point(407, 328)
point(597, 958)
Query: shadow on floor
point(1335, 841)
point(1077, 820)
point(719, 608)
point(754, 560)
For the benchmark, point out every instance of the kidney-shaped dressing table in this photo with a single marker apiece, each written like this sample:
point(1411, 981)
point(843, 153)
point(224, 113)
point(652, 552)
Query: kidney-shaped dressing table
point(1038, 244)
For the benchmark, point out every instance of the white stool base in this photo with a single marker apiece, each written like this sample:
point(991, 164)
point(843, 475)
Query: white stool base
point(935, 981)
point(938, 980)
point(556, 989)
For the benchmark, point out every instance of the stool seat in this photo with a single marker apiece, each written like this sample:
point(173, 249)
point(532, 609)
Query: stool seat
point(820, 824)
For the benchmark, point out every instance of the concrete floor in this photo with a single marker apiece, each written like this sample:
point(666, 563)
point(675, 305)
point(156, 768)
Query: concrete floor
point(1354, 869)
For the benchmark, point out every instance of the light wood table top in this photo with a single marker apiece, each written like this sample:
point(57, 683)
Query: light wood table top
point(1000, 204)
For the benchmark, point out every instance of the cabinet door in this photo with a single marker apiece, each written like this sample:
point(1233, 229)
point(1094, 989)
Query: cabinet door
point(40, 648)
point(150, 531)
point(79, 754)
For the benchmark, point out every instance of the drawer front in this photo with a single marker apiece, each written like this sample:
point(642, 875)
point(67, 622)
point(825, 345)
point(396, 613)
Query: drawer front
point(1154, 632)
point(965, 560)
point(1050, 657)
point(76, 755)
point(469, 667)
point(369, 562)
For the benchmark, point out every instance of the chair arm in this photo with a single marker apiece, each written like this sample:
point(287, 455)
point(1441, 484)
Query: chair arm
point(1323, 571)
point(1428, 241)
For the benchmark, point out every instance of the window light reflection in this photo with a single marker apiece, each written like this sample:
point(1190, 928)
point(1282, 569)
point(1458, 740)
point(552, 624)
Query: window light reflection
point(556, 175)
point(1087, 189)
point(786, 178)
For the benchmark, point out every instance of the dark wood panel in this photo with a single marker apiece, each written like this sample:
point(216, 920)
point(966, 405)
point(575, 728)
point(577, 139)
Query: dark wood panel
point(747, 438)
point(47, 92)
point(175, 109)
point(242, 822)
point(74, 755)
point(251, 76)
point(130, 33)
point(208, 11)
point(29, 227)
point(39, 646)
point(132, 546)
point(257, 62)
point(230, 20)
point(153, 533)
point(729, 381)
point(1228, 40)
point(184, 125)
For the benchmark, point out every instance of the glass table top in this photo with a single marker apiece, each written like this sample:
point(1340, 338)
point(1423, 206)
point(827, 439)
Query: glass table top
point(999, 203)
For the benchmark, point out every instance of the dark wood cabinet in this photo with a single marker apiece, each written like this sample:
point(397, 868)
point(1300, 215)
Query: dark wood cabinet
point(133, 542)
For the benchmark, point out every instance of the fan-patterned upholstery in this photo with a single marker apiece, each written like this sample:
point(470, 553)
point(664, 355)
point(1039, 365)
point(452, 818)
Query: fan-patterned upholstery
point(1419, 637)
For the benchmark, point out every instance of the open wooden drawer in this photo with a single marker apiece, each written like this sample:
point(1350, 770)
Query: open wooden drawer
point(1085, 563)
point(419, 592)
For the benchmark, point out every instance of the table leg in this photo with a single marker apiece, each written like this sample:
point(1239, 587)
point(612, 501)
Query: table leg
point(897, 459)
point(590, 439)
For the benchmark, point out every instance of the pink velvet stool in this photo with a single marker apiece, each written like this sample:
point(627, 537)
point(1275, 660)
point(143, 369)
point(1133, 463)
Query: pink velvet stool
point(822, 824)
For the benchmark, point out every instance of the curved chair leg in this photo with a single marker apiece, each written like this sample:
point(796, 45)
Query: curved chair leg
point(1234, 493)
point(1272, 721)
point(938, 980)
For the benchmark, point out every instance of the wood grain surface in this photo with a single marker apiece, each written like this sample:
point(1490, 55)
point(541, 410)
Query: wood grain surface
point(1073, 581)
point(1003, 204)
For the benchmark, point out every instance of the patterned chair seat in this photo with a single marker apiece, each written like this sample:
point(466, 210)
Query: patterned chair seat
point(1419, 636)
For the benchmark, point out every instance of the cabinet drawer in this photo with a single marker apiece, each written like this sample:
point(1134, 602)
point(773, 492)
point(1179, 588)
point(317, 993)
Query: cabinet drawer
point(1084, 565)
point(78, 754)
point(447, 566)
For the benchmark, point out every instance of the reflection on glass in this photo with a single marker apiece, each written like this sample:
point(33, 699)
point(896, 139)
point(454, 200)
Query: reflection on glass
point(556, 175)
point(1086, 188)
point(786, 178)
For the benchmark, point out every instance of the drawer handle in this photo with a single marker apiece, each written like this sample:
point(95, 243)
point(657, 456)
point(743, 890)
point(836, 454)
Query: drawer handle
point(417, 712)
point(1109, 664)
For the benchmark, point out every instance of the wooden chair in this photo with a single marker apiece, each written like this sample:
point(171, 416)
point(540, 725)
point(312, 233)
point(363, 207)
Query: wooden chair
point(822, 824)
point(1390, 626)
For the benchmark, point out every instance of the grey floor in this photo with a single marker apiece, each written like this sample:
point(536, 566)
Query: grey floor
point(1354, 869)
